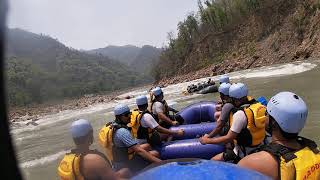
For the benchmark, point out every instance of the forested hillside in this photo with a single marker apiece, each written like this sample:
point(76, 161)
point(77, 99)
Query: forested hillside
point(40, 69)
point(124, 54)
point(229, 35)
point(138, 59)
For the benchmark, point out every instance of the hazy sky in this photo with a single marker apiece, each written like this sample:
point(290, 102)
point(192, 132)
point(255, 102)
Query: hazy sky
point(88, 24)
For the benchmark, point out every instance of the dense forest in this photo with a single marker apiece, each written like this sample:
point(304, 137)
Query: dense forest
point(40, 68)
point(238, 30)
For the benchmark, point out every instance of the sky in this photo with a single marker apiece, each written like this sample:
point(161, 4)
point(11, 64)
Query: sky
point(90, 24)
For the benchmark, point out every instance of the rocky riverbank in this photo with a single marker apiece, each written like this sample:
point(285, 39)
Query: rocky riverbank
point(284, 45)
point(278, 32)
point(34, 112)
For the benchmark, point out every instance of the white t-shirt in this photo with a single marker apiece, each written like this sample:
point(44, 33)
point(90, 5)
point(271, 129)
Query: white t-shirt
point(239, 122)
point(157, 107)
point(147, 121)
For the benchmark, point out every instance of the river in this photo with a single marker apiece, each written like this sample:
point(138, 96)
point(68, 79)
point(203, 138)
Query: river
point(40, 148)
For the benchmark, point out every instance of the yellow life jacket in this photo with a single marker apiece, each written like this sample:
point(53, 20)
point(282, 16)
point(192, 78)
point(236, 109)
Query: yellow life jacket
point(140, 132)
point(136, 115)
point(114, 154)
point(137, 130)
point(255, 132)
point(69, 167)
point(300, 164)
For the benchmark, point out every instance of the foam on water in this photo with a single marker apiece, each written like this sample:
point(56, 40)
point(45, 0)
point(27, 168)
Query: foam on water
point(281, 70)
point(172, 92)
point(61, 116)
point(43, 160)
point(173, 95)
point(266, 71)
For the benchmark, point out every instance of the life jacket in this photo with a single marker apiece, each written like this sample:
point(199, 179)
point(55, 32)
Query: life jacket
point(255, 132)
point(70, 166)
point(140, 132)
point(165, 110)
point(299, 164)
point(114, 154)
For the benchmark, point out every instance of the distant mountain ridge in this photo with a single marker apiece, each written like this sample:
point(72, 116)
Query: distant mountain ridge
point(40, 68)
point(139, 59)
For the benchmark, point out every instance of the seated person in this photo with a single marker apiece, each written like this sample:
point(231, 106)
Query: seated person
point(83, 163)
point(122, 148)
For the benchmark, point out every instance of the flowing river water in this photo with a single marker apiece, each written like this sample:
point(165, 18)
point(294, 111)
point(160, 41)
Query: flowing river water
point(40, 148)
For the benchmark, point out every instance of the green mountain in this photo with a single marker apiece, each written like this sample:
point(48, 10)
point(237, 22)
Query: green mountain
point(145, 61)
point(40, 68)
point(124, 54)
point(139, 59)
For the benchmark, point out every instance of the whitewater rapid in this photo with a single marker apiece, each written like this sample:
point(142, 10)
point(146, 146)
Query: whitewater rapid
point(173, 94)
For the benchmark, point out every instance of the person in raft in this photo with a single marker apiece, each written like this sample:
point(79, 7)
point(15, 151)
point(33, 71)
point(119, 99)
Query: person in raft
point(224, 79)
point(160, 109)
point(288, 156)
point(247, 122)
point(83, 163)
point(222, 116)
point(122, 149)
point(146, 127)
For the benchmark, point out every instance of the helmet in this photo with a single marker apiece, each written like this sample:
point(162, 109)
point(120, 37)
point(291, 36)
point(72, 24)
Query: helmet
point(224, 79)
point(141, 100)
point(289, 111)
point(157, 91)
point(238, 90)
point(224, 88)
point(121, 109)
point(80, 128)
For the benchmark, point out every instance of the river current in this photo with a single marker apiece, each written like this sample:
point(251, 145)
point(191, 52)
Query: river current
point(40, 148)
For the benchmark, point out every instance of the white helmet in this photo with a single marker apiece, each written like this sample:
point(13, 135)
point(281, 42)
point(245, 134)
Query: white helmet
point(141, 100)
point(157, 91)
point(80, 128)
point(121, 109)
point(224, 79)
point(238, 90)
point(289, 111)
point(224, 88)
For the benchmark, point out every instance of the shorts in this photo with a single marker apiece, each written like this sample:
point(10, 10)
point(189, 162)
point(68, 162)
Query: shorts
point(136, 164)
point(230, 156)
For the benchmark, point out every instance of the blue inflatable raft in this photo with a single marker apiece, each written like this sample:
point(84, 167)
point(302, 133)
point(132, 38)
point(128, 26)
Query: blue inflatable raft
point(189, 148)
point(198, 112)
point(199, 170)
point(194, 130)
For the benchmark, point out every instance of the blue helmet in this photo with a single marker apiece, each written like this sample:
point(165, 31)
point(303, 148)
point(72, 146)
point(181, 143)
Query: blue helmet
point(80, 128)
point(238, 90)
point(121, 109)
point(157, 91)
point(224, 88)
point(289, 111)
point(141, 100)
point(224, 79)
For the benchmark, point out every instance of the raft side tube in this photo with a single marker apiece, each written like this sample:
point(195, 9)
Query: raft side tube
point(198, 112)
point(194, 130)
point(209, 89)
point(199, 170)
point(189, 148)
